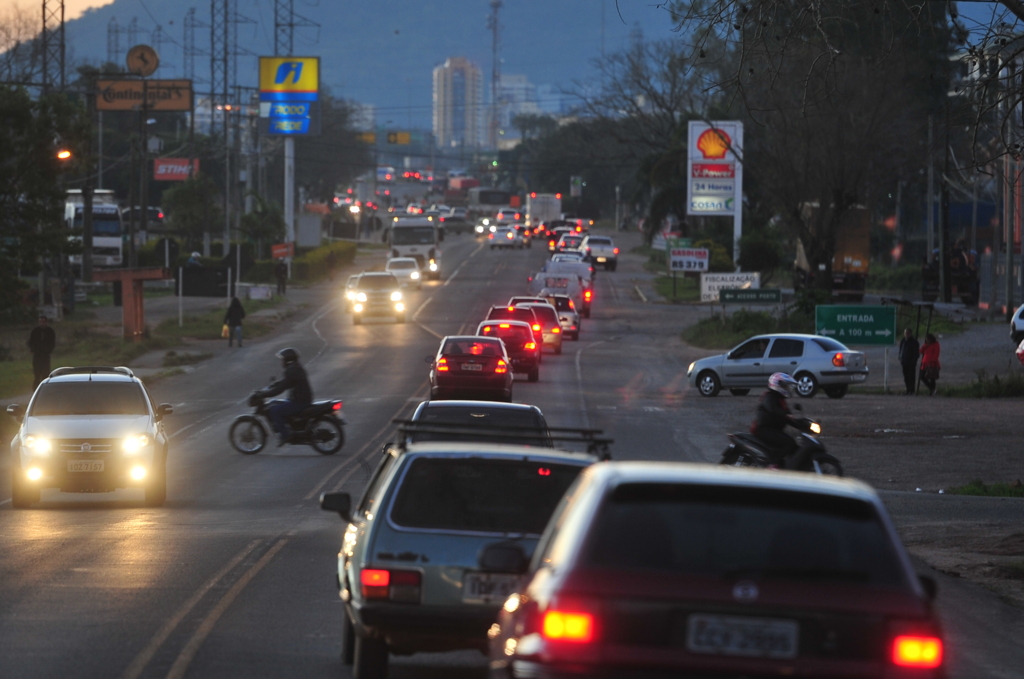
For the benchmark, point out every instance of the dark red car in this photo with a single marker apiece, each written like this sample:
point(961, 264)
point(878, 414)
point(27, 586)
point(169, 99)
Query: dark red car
point(471, 367)
point(515, 313)
point(523, 350)
point(681, 570)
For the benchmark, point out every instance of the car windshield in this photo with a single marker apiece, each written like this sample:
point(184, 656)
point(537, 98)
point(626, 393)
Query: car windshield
point(88, 398)
point(393, 265)
point(377, 282)
point(522, 420)
point(471, 347)
point(724, 531)
point(480, 494)
point(413, 235)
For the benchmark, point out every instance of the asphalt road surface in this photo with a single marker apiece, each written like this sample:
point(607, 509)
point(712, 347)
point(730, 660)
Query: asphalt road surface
point(234, 576)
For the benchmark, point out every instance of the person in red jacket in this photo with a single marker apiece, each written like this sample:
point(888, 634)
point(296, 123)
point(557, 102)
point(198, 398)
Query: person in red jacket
point(930, 363)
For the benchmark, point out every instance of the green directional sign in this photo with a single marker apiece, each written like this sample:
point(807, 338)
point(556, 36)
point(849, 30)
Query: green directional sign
point(857, 324)
point(750, 296)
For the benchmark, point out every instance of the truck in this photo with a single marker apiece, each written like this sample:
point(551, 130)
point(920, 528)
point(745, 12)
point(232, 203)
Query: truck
point(543, 207)
point(107, 227)
point(419, 238)
point(850, 258)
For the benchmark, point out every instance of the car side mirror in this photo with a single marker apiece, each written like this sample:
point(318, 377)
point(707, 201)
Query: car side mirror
point(930, 587)
point(503, 557)
point(164, 409)
point(340, 503)
point(16, 411)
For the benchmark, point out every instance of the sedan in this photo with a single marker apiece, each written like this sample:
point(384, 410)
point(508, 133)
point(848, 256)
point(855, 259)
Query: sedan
point(406, 270)
point(471, 367)
point(670, 570)
point(813, 361)
point(505, 237)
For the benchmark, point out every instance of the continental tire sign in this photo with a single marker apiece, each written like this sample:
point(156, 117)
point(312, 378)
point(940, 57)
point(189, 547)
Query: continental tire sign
point(128, 95)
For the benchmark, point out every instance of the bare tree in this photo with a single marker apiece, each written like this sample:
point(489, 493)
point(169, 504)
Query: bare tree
point(20, 56)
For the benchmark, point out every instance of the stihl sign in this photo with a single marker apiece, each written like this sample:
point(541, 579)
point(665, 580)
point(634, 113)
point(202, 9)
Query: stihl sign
point(173, 169)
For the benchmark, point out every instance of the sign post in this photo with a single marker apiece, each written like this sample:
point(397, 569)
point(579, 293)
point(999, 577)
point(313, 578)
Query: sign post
point(711, 284)
point(714, 183)
point(875, 325)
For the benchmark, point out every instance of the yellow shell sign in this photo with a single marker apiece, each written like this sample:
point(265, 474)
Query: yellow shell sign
point(289, 78)
point(713, 144)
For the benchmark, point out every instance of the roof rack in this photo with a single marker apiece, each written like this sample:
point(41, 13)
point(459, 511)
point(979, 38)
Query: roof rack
point(93, 369)
point(596, 444)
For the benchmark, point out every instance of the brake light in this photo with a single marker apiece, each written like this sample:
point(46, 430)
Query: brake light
point(511, 308)
point(530, 345)
point(504, 325)
point(378, 583)
point(336, 405)
point(487, 328)
point(838, 360)
point(442, 367)
point(501, 368)
point(568, 626)
point(922, 652)
point(551, 243)
point(375, 583)
point(556, 330)
point(536, 327)
point(588, 294)
point(510, 235)
point(615, 251)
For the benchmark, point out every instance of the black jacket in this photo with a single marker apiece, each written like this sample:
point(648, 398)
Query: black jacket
point(296, 380)
point(42, 340)
point(234, 315)
point(910, 351)
point(772, 413)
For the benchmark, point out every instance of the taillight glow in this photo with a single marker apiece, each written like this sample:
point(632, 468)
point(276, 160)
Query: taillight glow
point(375, 583)
point(556, 330)
point(501, 368)
point(588, 294)
point(536, 327)
point(530, 346)
point(504, 325)
point(336, 405)
point(442, 367)
point(615, 251)
point(487, 329)
point(922, 652)
point(838, 360)
point(566, 626)
point(511, 308)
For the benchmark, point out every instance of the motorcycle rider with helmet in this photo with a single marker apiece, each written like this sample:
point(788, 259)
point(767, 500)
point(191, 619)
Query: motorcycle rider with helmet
point(300, 394)
point(773, 415)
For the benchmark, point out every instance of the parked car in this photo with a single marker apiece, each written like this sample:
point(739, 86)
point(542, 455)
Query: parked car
point(813, 361)
point(651, 569)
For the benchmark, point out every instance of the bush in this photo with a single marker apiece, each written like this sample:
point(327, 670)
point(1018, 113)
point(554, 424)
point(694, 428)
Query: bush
point(988, 387)
point(720, 259)
point(976, 487)
point(904, 278)
point(308, 267)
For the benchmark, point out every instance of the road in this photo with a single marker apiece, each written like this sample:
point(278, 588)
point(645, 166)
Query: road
point(234, 576)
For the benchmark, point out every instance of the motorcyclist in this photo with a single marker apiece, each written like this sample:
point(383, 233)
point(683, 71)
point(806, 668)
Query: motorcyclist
point(300, 394)
point(773, 416)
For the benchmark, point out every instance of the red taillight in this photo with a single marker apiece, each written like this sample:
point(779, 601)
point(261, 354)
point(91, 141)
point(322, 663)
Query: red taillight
point(487, 328)
point(375, 583)
point(551, 243)
point(510, 235)
point(530, 345)
point(921, 652)
point(511, 308)
point(501, 368)
point(336, 405)
point(504, 325)
point(378, 583)
point(536, 327)
point(556, 330)
point(491, 237)
point(838, 360)
point(615, 251)
point(442, 366)
point(588, 294)
point(568, 626)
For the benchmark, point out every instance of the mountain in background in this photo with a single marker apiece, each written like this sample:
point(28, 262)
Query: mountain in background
point(382, 52)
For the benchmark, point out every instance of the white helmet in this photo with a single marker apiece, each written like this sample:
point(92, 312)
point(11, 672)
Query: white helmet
point(782, 383)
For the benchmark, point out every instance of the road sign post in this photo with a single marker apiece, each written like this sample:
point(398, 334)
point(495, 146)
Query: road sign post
point(857, 324)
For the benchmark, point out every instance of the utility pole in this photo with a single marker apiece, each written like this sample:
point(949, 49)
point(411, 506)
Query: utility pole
point(945, 288)
point(494, 24)
point(931, 198)
point(1011, 195)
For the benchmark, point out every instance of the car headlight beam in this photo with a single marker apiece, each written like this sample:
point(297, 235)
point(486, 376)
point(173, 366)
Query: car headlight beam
point(415, 275)
point(134, 444)
point(396, 296)
point(38, 445)
point(361, 297)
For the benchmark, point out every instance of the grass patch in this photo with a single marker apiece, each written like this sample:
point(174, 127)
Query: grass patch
point(906, 317)
point(173, 358)
point(687, 289)
point(906, 278)
point(976, 487)
point(724, 333)
point(983, 386)
point(208, 325)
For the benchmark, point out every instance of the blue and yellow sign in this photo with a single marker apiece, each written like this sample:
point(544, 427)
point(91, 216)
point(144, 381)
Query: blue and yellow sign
point(289, 79)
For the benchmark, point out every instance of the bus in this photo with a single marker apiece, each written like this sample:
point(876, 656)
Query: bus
point(485, 202)
point(420, 238)
point(107, 227)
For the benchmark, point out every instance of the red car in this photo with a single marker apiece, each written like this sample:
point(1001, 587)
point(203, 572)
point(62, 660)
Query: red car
point(471, 367)
point(523, 350)
point(515, 313)
point(669, 570)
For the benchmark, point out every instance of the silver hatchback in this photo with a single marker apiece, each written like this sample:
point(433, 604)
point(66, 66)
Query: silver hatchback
point(814, 362)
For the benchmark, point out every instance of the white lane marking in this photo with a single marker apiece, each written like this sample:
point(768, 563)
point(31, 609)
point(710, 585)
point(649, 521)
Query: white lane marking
point(140, 661)
point(5, 501)
point(183, 660)
point(464, 262)
point(579, 382)
point(437, 335)
point(325, 310)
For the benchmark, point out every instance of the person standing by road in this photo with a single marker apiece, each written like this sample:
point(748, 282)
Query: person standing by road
point(281, 272)
point(910, 351)
point(41, 343)
point(930, 363)
point(233, 319)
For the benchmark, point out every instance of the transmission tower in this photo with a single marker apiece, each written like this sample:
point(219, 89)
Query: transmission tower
point(494, 25)
point(133, 32)
point(189, 42)
point(52, 38)
point(157, 39)
point(220, 12)
point(285, 22)
point(114, 31)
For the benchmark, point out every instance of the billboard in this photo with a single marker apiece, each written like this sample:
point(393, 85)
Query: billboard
point(173, 169)
point(160, 95)
point(289, 79)
point(714, 168)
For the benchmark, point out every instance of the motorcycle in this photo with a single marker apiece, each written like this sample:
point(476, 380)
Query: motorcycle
point(746, 450)
point(320, 426)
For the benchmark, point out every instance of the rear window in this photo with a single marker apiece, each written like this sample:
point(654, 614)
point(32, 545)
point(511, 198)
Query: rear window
point(522, 420)
point(468, 347)
point(737, 532)
point(511, 331)
point(545, 314)
point(480, 495)
point(829, 344)
point(599, 241)
point(377, 282)
point(562, 303)
point(515, 314)
point(89, 398)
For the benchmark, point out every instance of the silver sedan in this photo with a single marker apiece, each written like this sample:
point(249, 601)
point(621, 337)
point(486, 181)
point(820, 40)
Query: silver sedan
point(814, 362)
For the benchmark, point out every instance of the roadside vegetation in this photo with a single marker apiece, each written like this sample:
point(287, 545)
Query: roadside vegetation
point(977, 487)
point(985, 386)
point(686, 289)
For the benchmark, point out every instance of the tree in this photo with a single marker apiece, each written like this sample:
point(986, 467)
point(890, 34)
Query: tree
point(194, 207)
point(20, 51)
point(264, 224)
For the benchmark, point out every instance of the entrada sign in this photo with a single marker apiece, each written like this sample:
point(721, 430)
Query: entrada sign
point(856, 324)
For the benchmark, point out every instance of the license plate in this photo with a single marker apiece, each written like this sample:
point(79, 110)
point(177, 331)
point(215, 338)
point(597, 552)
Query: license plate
point(472, 366)
point(488, 588)
point(859, 378)
point(85, 465)
point(602, 260)
point(751, 637)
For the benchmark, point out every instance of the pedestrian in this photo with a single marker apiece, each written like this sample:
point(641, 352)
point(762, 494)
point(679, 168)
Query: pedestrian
point(233, 319)
point(41, 342)
point(281, 272)
point(194, 262)
point(930, 363)
point(910, 351)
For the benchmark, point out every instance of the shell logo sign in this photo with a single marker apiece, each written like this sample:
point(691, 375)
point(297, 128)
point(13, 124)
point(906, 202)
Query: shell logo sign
point(713, 144)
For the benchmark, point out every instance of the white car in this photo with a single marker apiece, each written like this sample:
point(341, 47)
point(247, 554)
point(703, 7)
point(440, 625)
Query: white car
point(89, 430)
point(505, 237)
point(1017, 326)
point(406, 270)
point(601, 251)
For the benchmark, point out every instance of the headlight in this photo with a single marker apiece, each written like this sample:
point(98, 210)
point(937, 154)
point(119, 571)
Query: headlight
point(350, 295)
point(690, 369)
point(39, 446)
point(493, 228)
point(358, 308)
point(361, 297)
point(815, 428)
point(415, 275)
point(399, 307)
point(134, 444)
point(433, 265)
point(396, 296)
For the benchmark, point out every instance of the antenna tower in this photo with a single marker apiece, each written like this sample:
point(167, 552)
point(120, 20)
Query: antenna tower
point(52, 39)
point(189, 43)
point(133, 32)
point(285, 22)
point(114, 32)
